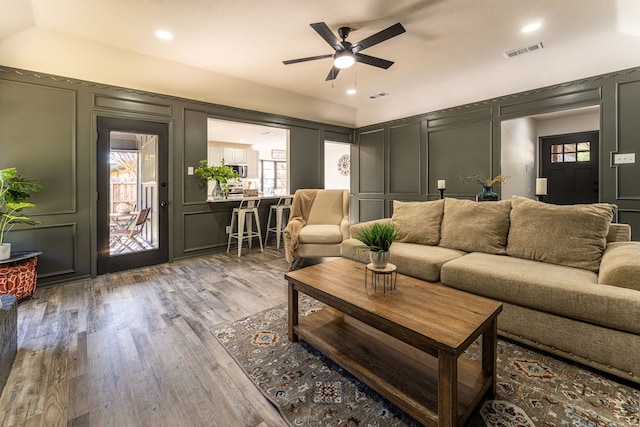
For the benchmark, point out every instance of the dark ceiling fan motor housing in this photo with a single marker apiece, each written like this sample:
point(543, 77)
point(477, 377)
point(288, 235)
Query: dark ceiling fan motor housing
point(346, 48)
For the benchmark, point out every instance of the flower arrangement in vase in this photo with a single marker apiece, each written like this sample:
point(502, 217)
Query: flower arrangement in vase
point(487, 184)
point(221, 174)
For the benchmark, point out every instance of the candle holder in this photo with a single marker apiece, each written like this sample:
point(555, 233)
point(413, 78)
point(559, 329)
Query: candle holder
point(441, 190)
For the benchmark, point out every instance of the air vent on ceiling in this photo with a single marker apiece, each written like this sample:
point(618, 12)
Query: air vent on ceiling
point(516, 52)
point(378, 95)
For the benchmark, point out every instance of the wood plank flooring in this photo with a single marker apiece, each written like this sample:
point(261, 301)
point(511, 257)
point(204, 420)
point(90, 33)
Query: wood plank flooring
point(135, 348)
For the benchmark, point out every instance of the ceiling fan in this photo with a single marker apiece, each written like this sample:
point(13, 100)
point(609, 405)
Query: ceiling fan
point(346, 54)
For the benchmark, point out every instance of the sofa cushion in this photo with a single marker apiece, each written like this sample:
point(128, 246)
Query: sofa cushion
point(324, 233)
point(413, 259)
point(475, 227)
point(620, 265)
point(349, 249)
point(571, 235)
point(565, 291)
point(418, 222)
point(421, 261)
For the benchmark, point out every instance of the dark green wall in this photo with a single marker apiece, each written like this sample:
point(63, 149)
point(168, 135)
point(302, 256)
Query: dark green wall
point(403, 159)
point(48, 131)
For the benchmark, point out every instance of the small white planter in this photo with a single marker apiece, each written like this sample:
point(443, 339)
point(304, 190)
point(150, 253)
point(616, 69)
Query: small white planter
point(379, 259)
point(5, 251)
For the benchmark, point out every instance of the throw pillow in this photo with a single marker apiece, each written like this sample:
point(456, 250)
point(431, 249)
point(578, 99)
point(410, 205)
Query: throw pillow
point(418, 222)
point(571, 235)
point(475, 226)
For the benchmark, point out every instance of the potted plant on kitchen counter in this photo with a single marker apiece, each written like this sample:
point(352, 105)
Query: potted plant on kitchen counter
point(14, 190)
point(220, 174)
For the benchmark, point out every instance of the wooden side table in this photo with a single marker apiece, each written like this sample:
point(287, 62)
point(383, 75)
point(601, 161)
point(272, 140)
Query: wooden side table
point(388, 275)
point(18, 274)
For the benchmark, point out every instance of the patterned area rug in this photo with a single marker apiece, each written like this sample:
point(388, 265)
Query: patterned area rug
point(310, 390)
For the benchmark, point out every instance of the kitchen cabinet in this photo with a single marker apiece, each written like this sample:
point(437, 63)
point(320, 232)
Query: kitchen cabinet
point(240, 156)
point(214, 156)
point(253, 163)
point(234, 156)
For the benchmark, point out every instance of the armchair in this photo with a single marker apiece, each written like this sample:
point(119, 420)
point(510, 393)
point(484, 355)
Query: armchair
point(318, 224)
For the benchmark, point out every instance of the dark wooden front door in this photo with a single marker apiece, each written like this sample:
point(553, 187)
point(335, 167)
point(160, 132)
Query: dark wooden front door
point(570, 164)
point(132, 215)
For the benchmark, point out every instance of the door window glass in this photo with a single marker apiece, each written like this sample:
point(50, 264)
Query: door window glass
point(133, 171)
point(568, 153)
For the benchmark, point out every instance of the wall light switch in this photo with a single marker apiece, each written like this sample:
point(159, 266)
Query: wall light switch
point(619, 159)
point(190, 170)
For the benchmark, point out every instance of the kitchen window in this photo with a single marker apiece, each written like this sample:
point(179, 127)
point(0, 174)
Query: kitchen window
point(273, 177)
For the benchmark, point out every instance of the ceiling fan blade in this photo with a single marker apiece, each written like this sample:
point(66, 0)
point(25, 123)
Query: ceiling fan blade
point(309, 58)
point(372, 60)
point(332, 74)
point(379, 37)
point(324, 31)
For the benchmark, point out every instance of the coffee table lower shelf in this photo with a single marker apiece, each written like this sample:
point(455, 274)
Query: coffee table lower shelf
point(401, 373)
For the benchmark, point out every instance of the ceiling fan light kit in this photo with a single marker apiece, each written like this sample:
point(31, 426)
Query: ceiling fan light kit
point(346, 54)
point(344, 59)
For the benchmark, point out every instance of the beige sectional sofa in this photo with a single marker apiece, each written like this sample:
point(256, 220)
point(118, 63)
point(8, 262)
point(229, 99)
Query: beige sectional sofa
point(569, 279)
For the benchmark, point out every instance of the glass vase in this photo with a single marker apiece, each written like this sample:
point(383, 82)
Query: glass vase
point(487, 195)
point(218, 191)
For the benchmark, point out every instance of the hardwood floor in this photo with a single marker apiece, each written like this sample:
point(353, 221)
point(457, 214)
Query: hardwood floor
point(135, 348)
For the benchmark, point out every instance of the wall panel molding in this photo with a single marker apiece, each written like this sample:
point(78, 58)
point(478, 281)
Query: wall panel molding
point(372, 162)
point(628, 139)
point(555, 101)
point(132, 105)
point(405, 159)
point(57, 242)
point(196, 224)
point(37, 119)
point(371, 209)
point(457, 117)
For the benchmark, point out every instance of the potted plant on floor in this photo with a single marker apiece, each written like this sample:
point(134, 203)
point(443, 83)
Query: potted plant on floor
point(377, 238)
point(14, 190)
point(220, 174)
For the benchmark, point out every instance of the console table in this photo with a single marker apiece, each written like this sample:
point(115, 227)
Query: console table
point(18, 274)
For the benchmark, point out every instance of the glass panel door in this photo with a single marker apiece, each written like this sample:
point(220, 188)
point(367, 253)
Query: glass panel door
point(132, 194)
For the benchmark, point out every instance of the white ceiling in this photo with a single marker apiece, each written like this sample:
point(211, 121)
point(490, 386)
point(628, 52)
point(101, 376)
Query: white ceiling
point(231, 52)
point(246, 133)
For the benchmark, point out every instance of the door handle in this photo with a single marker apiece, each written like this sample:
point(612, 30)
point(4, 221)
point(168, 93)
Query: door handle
point(163, 204)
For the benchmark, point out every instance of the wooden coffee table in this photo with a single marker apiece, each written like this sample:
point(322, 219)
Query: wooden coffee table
point(405, 344)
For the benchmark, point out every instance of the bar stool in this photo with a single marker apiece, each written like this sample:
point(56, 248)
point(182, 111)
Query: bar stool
point(248, 207)
point(283, 205)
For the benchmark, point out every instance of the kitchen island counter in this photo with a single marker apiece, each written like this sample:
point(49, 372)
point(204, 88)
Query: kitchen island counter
point(239, 198)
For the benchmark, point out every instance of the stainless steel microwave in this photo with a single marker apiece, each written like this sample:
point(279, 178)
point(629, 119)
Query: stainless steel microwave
point(242, 170)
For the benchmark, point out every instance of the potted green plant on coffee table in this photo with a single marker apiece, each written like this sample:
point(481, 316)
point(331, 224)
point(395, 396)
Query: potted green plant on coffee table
point(220, 174)
point(377, 239)
point(14, 190)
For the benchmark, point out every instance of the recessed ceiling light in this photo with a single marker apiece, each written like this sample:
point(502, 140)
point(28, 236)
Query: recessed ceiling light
point(351, 91)
point(534, 26)
point(164, 35)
